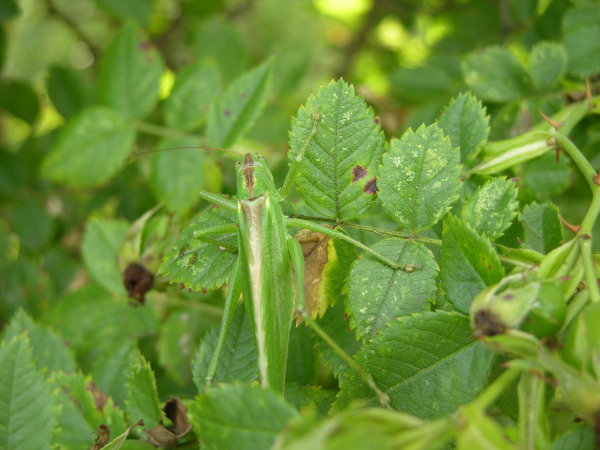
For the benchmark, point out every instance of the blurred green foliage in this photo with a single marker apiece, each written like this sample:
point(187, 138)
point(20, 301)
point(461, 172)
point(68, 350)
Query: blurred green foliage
point(86, 83)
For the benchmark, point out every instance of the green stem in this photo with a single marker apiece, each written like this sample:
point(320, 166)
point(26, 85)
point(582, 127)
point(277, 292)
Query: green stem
point(497, 388)
point(375, 230)
point(367, 377)
point(165, 132)
point(579, 301)
point(291, 175)
point(585, 244)
point(299, 223)
point(591, 215)
point(582, 163)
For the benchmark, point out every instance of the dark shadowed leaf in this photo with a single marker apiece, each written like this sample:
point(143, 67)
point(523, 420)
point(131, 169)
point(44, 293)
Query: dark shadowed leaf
point(238, 416)
point(90, 149)
point(130, 74)
point(429, 364)
point(495, 75)
point(237, 110)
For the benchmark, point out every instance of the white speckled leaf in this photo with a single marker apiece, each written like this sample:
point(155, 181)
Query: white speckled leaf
point(492, 207)
point(342, 141)
point(378, 295)
point(199, 264)
point(419, 178)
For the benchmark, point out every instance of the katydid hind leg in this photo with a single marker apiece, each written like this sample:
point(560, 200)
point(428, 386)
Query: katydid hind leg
point(297, 259)
point(233, 294)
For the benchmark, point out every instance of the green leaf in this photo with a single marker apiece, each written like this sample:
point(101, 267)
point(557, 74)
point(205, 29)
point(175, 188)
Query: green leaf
point(8, 10)
point(238, 358)
point(429, 364)
point(66, 90)
point(48, 348)
point(238, 416)
point(121, 441)
point(201, 265)
point(130, 75)
point(492, 208)
point(543, 230)
point(301, 397)
point(178, 337)
point(90, 149)
point(337, 325)
point(138, 10)
point(378, 295)
point(479, 431)
point(100, 248)
point(19, 99)
point(81, 412)
point(236, 111)
point(220, 41)
point(178, 176)
point(110, 370)
point(578, 437)
point(464, 120)
point(582, 39)
point(495, 75)
point(545, 176)
point(342, 143)
point(97, 324)
point(195, 88)
point(27, 407)
point(547, 64)
point(468, 263)
point(420, 178)
point(142, 397)
point(32, 223)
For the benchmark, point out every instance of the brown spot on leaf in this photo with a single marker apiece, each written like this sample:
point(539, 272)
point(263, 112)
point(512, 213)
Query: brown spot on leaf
point(102, 437)
point(376, 120)
point(508, 297)
point(358, 173)
point(169, 437)
point(226, 113)
point(314, 249)
point(137, 280)
point(244, 96)
point(371, 186)
point(488, 324)
point(100, 398)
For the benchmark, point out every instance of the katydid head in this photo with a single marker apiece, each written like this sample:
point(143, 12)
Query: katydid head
point(253, 177)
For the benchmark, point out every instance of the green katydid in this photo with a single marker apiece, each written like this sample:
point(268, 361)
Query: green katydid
point(269, 271)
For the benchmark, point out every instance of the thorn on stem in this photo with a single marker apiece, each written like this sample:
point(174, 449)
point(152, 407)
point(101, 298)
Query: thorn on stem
point(588, 90)
point(555, 124)
point(573, 228)
point(596, 179)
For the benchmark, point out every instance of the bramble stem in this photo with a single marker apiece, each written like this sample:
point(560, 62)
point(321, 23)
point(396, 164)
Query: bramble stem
point(291, 175)
point(589, 272)
point(339, 235)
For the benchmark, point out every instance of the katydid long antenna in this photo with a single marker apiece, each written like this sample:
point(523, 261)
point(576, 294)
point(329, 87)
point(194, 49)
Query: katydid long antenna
point(131, 157)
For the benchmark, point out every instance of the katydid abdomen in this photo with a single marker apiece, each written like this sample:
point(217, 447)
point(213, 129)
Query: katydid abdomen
point(268, 285)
